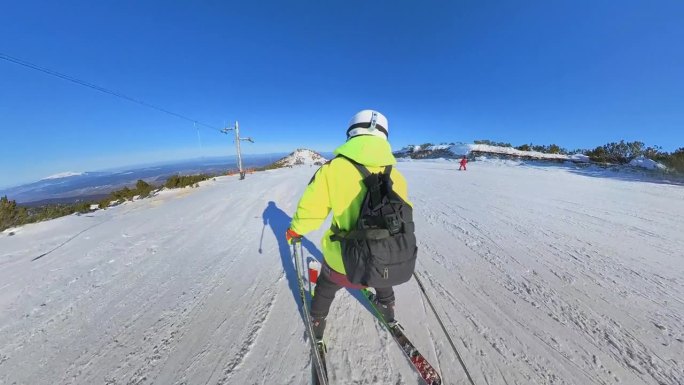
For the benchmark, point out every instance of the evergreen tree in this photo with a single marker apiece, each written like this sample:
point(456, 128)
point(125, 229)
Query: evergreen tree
point(142, 188)
point(8, 213)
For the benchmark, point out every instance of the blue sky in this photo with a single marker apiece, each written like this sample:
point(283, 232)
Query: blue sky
point(575, 73)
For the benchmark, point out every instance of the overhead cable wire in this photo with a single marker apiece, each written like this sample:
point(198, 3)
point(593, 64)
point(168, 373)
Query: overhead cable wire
point(101, 89)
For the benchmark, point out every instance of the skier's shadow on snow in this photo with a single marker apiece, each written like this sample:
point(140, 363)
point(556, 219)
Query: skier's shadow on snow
point(279, 222)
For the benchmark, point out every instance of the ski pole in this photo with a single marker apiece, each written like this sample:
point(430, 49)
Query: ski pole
point(261, 241)
point(441, 324)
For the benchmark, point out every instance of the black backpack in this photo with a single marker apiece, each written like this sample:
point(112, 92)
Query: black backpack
point(380, 250)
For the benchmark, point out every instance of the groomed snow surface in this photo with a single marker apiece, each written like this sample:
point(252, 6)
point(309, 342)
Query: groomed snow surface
point(542, 275)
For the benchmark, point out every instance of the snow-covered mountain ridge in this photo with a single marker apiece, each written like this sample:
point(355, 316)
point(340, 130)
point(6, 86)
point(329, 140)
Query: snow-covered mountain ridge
point(94, 185)
point(457, 150)
point(301, 156)
point(65, 174)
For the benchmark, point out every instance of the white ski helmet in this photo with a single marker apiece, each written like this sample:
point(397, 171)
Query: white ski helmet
point(368, 122)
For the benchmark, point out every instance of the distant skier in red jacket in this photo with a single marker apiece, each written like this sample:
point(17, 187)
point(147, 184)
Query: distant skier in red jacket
point(463, 163)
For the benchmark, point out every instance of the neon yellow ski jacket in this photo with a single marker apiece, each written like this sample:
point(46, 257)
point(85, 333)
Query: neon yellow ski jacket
point(338, 187)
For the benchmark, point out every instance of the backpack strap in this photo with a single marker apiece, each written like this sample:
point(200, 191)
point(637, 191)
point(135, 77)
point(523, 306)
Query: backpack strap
point(362, 169)
point(372, 183)
point(377, 234)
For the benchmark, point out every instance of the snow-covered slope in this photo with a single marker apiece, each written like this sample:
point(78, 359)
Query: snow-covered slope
point(542, 276)
point(301, 156)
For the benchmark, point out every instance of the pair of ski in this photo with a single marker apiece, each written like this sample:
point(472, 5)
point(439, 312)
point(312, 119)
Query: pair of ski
point(319, 373)
point(426, 371)
point(419, 363)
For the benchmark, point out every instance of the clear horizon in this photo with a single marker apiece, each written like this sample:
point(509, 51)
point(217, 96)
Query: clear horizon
point(576, 74)
point(133, 166)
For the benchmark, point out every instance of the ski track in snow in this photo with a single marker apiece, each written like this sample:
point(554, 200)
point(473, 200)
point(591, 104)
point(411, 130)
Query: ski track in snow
point(541, 276)
point(537, 269)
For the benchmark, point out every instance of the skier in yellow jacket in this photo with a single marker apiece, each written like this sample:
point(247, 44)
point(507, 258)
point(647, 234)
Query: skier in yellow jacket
point(338, 187)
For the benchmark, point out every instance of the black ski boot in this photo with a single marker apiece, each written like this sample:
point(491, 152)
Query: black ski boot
point(322, 348)
point(385, 309)
point(318, 325)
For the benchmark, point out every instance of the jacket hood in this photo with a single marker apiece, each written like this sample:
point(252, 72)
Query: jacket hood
point(368, 150)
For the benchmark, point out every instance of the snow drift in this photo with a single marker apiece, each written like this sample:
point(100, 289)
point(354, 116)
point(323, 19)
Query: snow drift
point(646, 163)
